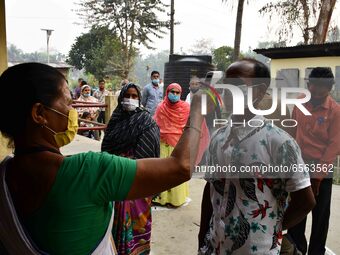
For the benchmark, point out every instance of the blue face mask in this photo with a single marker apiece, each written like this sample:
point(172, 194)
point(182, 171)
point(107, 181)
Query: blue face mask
point(86, 95)
point(155, 81)
point(173, 98)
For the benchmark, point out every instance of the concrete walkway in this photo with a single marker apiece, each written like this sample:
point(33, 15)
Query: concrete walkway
point(175, 231)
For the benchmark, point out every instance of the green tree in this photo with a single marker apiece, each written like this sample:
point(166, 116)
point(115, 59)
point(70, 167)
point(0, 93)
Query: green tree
point(312, 17)
point(222, 57)
point(133, 22)
point(17, 55)
point(98, 51)
point(14, 54)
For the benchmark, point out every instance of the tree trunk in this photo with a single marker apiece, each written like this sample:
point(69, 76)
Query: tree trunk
point(306, 15)
point(321, 28)
point(238, 30)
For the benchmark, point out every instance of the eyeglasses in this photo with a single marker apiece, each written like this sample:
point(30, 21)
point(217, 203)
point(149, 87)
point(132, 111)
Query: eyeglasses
point(175, 92)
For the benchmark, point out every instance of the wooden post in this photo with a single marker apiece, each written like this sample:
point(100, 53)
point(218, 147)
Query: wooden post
point(3, 46)
point(4, 150)
point(112, 103)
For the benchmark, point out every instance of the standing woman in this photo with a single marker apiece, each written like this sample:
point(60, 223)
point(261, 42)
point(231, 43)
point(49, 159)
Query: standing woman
point(65, 203)
point(132, 133)
point(171, 116)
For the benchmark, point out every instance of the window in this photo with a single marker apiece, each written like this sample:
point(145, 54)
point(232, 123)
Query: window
point(287, 78)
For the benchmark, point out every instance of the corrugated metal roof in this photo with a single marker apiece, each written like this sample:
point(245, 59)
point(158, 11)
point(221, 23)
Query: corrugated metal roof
point(302, 51)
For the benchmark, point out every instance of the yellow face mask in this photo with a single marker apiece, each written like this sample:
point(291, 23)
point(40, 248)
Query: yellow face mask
point(63, 138)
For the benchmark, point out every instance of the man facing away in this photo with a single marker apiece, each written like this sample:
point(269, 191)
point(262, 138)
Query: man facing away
point(152, 94)
point(242, 216)
point(319, 139)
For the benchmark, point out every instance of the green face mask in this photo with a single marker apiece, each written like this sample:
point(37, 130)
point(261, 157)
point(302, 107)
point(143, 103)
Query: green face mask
point(63, 138)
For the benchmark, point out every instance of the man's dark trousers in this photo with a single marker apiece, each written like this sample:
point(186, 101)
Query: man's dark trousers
point(320, 222)
point(101, 119)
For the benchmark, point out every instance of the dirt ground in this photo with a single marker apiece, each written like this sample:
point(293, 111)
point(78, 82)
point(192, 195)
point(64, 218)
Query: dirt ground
point(175, 231)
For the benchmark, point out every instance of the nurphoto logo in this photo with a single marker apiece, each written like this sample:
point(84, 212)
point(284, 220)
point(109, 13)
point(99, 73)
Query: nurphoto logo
point(240, 98)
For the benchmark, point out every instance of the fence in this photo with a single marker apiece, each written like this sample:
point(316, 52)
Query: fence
point(110, 104)
point(81, 104)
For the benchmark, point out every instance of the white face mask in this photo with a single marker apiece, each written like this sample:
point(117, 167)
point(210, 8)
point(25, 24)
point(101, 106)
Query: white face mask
point(130, 104)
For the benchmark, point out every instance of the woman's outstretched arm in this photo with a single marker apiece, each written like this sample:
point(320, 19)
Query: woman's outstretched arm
point(156, 175)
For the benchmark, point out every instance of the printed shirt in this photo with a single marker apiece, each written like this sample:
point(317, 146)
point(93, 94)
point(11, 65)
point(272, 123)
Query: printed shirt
point(248, 212)
point(151, 97)
point(318, 134)
point(89, 99)
point(100, 95)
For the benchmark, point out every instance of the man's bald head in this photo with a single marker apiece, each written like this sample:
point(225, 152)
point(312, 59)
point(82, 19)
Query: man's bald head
point(248, 72)
point(249, 69)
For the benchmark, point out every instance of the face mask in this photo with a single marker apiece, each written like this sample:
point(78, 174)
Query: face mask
point(63, 138)
point(86, 95)
point(173, 98)
point(155, 81)
point(194, 90)
point(130, 104)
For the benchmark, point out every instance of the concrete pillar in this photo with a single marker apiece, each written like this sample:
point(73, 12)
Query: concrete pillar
point(4, 150)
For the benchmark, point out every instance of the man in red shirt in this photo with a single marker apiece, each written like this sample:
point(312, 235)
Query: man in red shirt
point(319, 139)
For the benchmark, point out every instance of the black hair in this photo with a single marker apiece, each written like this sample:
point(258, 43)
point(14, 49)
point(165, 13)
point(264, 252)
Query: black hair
point(80, 79)
point(154, 72)
point(101, 80)
point(85, 115)
point(24, 85)
point(261, 71)
point(322, 76)
point(83, 83)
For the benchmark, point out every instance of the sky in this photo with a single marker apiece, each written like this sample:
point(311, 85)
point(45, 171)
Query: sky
point(199, 19)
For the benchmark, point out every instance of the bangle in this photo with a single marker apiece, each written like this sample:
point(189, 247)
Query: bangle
point(194, 128)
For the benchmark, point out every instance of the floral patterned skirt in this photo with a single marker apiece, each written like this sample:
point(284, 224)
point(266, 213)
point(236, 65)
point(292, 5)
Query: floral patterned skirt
point(132, 226)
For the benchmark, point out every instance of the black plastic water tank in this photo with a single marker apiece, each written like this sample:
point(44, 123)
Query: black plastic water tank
point(181, 68)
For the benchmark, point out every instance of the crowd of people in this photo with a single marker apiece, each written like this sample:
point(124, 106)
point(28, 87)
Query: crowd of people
point(72, 205)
